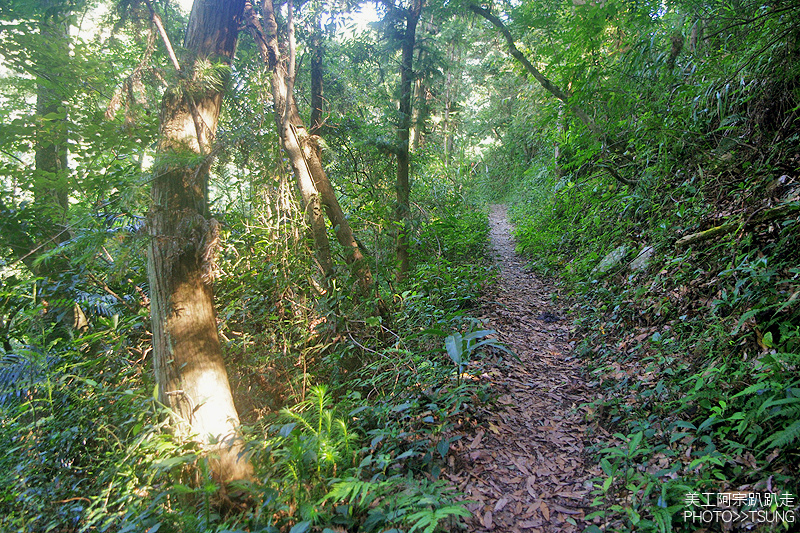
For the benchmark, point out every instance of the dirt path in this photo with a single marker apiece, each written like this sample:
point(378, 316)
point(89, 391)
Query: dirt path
point(524, 464)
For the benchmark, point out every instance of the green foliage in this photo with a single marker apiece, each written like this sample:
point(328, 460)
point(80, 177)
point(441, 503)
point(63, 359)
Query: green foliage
point(694, 356)
point(70, 423)
point(460, 347)
point(322, 442)
point(352, 403)
point(457, 237)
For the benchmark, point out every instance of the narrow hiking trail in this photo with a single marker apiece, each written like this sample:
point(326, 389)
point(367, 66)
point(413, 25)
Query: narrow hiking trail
point(524, 463)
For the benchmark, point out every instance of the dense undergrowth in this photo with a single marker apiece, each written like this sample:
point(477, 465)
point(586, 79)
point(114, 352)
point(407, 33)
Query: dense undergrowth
point(683, 275)
point(692, 345)
point(693, 355)
point(349, 413)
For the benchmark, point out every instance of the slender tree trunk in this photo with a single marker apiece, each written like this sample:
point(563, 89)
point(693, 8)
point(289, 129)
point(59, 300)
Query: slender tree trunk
point(282, 80)
point(51, 187)
point(317, 97)
point(418, 109)
point(344, 233)
point(450, 95)
point(304, 148)
point(560, 128)
point(310, 142)
point(187, 355)
point(562, 95)
point(402, 209)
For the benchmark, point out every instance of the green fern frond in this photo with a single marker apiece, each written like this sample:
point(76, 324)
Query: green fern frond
point(784, 437)
point(354, 491)
point(789, 412)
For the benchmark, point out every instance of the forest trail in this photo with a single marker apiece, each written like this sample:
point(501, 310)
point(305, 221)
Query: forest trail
point(524, 463)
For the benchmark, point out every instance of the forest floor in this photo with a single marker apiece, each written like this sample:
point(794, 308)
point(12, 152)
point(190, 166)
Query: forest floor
point(523, 464)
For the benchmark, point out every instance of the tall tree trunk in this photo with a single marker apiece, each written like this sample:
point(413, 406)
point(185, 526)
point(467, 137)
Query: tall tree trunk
point(50, 184)
point(402, 209)
point(187, 355)
point(282, 83)
point(51, 187)
point(304, 148)
point(317, 98)
point(418, 110)
point(450, 96)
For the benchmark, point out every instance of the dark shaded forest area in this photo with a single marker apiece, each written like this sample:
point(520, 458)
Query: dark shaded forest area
point(246, 285)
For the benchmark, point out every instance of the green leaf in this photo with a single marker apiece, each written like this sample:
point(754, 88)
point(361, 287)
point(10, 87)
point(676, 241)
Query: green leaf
point(472, 335)
point(401, 407)
point(182, 489)
point(443, 447)
point(767, 339)
point(301, 527)
point(171, 462)
point(636, 439)
point(453, 344)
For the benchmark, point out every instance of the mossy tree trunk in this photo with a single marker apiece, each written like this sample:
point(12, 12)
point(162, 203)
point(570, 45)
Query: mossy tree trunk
point(190, 371)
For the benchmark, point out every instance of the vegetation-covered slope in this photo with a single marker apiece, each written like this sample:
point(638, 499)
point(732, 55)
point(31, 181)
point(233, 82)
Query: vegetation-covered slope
point(686, 281)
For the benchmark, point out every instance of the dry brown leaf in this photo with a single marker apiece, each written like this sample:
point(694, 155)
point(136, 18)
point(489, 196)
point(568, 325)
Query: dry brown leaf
point(487, 520)
point(529, 486)
point(477, 440)
point(522, 468)
point(500, 505)
point(545, 510)
point(565, 510)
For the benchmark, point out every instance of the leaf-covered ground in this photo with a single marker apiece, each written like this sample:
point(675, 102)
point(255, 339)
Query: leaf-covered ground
point(524, 464)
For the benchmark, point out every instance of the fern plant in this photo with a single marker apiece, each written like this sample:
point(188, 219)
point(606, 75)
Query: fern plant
point(318, 443)
point(397, 502)
point(771, 415)
point(786, 414)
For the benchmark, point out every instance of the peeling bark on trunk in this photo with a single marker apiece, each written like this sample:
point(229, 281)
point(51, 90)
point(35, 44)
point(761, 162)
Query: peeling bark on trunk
point(304, 148)
point(403, 185)
point(190, 371)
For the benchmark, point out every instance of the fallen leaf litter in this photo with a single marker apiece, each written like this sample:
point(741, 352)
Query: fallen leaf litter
point(524, 465)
